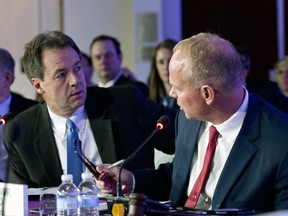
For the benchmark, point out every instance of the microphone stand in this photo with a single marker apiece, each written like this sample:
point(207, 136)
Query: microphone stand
point(118, 206)
point(119, 183)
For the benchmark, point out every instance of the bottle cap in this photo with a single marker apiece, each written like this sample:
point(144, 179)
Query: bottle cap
point(87, 175)
point(67, 177)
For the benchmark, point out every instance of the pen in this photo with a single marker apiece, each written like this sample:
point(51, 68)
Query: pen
point(118, 163)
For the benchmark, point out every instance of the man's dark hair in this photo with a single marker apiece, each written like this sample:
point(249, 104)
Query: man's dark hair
point(31, 62)
point(245, 58)
point(116, 43)
point(85, 56)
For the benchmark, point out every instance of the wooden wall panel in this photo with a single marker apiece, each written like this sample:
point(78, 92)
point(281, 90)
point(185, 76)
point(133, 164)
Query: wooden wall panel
point(246, 23)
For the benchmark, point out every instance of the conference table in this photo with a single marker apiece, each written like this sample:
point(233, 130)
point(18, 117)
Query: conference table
point(146, 207)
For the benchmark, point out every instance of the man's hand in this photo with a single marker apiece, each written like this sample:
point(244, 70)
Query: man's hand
point(108, 184)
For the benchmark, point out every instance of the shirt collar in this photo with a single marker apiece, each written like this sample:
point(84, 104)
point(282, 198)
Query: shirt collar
point(4, 106)
point(59, 122)
point(231, 127)
point(111, 82)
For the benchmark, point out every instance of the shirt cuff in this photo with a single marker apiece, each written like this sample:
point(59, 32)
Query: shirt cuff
point(133, 184)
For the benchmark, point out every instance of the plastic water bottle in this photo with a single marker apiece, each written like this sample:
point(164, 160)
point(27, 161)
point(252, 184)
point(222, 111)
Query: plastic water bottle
point(88, 196)
point(67, 197)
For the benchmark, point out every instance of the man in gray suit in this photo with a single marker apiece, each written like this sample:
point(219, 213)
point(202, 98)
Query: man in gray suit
point(249, 168)
point(111, 122)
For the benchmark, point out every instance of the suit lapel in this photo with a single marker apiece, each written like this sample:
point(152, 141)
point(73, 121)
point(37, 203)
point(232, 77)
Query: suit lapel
point(101, 127)
point(241, 153)
point(233, 169)
point(45, 146)
point(102, 131)
point(121, 81)
point(185, 147)
point(189, 146)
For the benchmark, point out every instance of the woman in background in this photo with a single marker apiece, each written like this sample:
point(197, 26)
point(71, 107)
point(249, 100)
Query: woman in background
point(158, 80)
point(159, 86)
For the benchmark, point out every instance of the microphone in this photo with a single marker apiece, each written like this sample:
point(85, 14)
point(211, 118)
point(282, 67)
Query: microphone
point(161, 124)
point(7, 117)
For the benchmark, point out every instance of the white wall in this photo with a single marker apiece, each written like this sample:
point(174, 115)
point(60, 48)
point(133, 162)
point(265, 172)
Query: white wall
point(119, 19)
point(83, 20)
point(20, 21)
point(168, 25)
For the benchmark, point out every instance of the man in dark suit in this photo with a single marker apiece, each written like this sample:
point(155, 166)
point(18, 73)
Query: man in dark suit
point(9, 101)
point(266, 89)
point(106, 56)
point(19, 103)
point(111, 123)
point(249, 167)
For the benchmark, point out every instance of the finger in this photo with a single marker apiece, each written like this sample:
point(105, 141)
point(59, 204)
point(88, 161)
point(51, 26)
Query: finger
point(101, 168)
point(108, 191)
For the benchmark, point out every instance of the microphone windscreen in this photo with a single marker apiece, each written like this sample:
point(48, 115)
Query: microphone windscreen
point(163, 122)
point(4, 119)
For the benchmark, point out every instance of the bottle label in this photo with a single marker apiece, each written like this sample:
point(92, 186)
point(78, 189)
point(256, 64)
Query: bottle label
point(67, 204)
point(89, 202)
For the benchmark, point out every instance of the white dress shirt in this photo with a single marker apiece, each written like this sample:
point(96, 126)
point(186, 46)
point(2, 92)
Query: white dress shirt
point(85, 134)
point(111, 82)
point(228, 131)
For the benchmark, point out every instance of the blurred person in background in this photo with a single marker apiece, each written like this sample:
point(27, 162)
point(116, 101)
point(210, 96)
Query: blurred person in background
point(87, 68)
point(158, 80)
point(266, 89)
point(9, 101)
point(159, 86)
point(281, 75)
point(106, 56)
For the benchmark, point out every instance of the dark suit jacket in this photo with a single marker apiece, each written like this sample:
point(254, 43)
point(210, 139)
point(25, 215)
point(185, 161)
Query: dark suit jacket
point(19, 103)
point(255, 175)
point(270, 92)
point(120, 117)
point(126, 81)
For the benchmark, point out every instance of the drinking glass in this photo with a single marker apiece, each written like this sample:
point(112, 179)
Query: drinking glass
point(48, 205)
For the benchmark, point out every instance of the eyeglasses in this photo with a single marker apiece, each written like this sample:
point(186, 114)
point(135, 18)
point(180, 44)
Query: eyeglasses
point(87, 162)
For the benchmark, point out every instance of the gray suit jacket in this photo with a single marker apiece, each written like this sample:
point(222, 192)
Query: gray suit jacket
point(255, 175)
point(120, 119)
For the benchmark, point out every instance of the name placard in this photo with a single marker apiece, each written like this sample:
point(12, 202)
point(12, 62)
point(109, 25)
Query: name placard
point(13, 199)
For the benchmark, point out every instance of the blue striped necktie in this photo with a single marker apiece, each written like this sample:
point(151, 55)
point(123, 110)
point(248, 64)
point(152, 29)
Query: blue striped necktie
point(74, 164)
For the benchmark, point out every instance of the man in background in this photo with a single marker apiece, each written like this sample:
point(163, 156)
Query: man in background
point(87, 68)
point(106, 55)
point(281, 75)
point(9, 101)
point(266, 89)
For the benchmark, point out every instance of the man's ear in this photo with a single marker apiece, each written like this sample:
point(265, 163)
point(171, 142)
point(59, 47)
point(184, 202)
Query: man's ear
point(208, 93)
point(245, 73)
point(120, 56)
point(37, 85)
point(9, 78)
